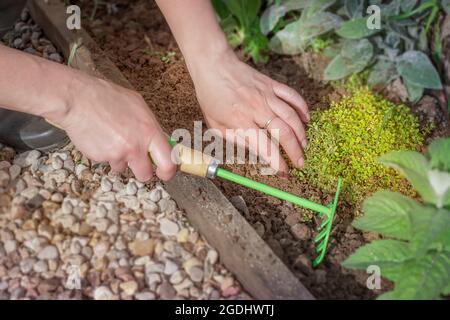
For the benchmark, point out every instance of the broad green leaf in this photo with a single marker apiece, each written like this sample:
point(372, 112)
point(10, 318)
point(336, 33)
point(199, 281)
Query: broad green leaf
point(414, 92)
point(275, 12)
point(424, 277)
point(386, 212)
point(417, 69)
point(382, 73)
point(221, 9)
point(430, 228)
point(296, 36)
point(353, 8)
point(388, 255)
point(446, 290)
point(355, 29)
point(439, 152)
point(317, 6)
point(354, 58)
point(414, 166)
point(246, 11)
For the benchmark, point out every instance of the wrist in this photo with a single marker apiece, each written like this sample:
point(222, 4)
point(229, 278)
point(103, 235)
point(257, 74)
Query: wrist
point(214, 55)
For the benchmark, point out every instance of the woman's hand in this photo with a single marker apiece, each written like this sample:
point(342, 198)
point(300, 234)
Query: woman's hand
point(234, 95)
point(107, 122)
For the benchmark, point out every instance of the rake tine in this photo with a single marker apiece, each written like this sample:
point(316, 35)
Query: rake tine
point(320, 236)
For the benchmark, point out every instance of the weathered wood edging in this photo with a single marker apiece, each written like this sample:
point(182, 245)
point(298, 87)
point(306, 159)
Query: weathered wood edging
point(241, 249)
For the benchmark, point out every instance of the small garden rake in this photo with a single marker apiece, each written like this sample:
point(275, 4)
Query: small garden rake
point(196, 163)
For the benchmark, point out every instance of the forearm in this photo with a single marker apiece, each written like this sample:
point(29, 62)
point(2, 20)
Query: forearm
point(34, 85)
point(195, 28)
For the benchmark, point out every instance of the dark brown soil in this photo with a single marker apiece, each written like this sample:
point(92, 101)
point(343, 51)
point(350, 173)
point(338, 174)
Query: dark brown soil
point(134, 39)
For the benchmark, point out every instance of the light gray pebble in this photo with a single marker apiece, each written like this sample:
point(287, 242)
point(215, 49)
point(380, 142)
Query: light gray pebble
point(14, 171)
point(40, 266)
point(176, 277)
point(146, 295)
point(27, 158)
point(212, 256)
point(10, 246)
point(66, 207)
point(149, 205)
point(100, 211)
point(167, 205)
point(26, 265)
point(50, 252)
point(170, 267)
point(59, 176)
point(168, 227)
point(103, 293)
point(131, 188)
point(79, 169)
point(69, 165)
point(155, 195)
point(57, 163)
point(118, 186)
point(4, 165)
point(20, 186)
point(195, 273)
point(57, 197)
point(153, 279)
point(154, 268)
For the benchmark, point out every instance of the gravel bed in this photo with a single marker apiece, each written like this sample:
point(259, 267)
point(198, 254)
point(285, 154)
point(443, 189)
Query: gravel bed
point(71, 229)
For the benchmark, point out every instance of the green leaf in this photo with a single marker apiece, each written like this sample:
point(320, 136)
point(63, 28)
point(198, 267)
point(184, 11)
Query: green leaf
point(430, 229)
point(275, 12)
point(221, 9)
point(317, 6)
point(414, 92)
point(414, 167)
point(382, 73)
point(388, 255)
point(297, 35)
point(355, 29)
point(386, 212)
point(246, 11)
point(354, 57)
point(423, 278)
point(446, 290)
point(417, 69)
point(439, 152)
point(353, 8)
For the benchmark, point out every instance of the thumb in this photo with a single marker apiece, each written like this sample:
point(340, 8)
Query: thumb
point(160, 152)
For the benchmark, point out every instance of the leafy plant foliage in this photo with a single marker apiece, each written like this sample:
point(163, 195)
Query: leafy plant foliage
point(240, 22)
point(416, 253)
point(398, 49)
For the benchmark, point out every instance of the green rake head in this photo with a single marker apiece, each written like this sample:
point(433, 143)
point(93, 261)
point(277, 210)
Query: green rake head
point(324, 230)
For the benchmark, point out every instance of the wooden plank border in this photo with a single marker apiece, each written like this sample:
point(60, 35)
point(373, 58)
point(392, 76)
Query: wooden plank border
point(241, 249)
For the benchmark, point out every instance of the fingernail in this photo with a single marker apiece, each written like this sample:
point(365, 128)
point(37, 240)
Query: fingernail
point(304, 143)
point(300, 162)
